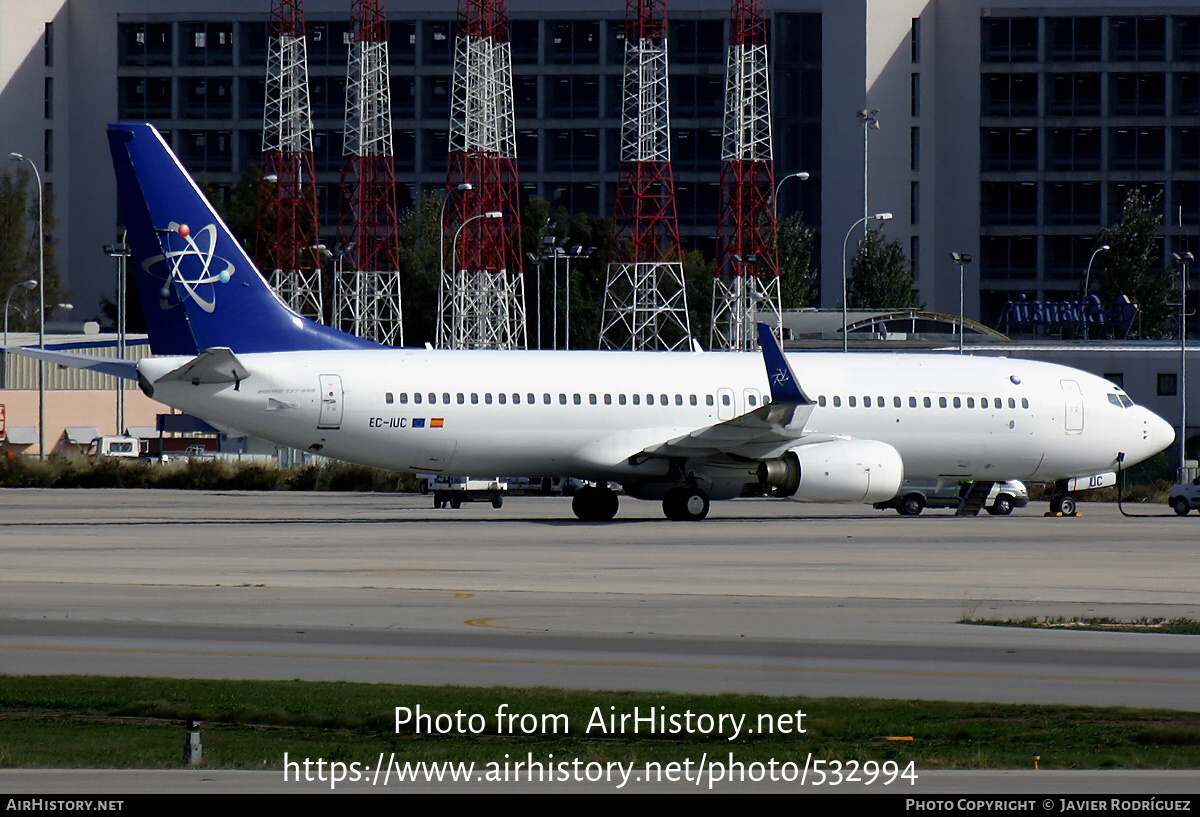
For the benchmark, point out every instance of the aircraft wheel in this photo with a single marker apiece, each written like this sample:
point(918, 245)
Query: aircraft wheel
point(685, 504)
point(1180, 505)
point(439, 503)
point(1063, 504)
point(497, 501)
point(456, 502)
point(911, 505)
point(1003, 506)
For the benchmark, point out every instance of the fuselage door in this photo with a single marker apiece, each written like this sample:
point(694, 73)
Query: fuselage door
point(331, 401)
point(725, 407)
point(1072, 407)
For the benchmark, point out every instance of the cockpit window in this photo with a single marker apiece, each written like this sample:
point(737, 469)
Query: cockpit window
point(1121, 400)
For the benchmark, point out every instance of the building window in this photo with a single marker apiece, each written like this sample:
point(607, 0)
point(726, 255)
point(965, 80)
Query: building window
point(1137, 38)
point(1073, 95)
point(48, 151)
point(1137, 148)
point(1009, 95)
point(1073, 39)
point(1008, 203)
point(915, 39)
point(1137, 94)
point(914, 149)
point(48, 45)
point(1116, 378)
point(1009, 149)
point(1009, 39)
point(914, 203)
point(914, 102)
point(48, 98)
point(1167, 384)
point(1073, 149)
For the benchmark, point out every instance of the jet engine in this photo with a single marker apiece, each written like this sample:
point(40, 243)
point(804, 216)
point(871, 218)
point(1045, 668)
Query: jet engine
point(836, 471)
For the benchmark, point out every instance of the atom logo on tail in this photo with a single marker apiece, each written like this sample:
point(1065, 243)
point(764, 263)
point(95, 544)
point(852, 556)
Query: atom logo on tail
point(191, 275)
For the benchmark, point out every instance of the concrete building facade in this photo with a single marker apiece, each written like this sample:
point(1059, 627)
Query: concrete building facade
point(1007, 130)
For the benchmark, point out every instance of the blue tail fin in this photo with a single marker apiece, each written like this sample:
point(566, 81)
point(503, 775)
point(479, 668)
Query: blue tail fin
point(198, 287)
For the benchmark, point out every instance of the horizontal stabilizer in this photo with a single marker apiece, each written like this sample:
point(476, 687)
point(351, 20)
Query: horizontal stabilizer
point(124, 369)
point(218, 365)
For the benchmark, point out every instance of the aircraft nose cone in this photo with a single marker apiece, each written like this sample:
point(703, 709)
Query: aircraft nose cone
point(1158, 435)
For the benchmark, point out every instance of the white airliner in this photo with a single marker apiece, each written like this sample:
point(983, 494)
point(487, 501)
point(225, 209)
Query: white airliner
point(679, 427)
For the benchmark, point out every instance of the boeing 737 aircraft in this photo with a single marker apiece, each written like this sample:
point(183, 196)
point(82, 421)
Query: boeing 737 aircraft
point(682, 428)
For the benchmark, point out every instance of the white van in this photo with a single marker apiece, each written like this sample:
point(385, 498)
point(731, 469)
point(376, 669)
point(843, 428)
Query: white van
point(917, 495)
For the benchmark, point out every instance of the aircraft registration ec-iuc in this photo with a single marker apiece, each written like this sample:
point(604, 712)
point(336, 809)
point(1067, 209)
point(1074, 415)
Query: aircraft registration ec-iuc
point(682, 428)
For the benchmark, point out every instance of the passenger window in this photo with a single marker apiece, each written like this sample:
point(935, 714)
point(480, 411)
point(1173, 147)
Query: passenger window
point(853, 401)
point(837, 401)
point(387, 398)
point(474, 399)
point(753, 400)
point(896, 402)
point(663, 401)
point(726, 400)
point(546, 398)
point(531, 398)
point(487, 398)
point(591, 399)
point(970, 402)
point(621, 399)
point(867, 402)
point(928, 404)
point(502, 397)
point(446, 398)
point(1024, 403)
point(879, 401)
point(576, 399)
point(679, 399)
point(941, 402)
point(417, 398)
point(692, 400)
point(958, 402)
point(403, 398)
point(708, 400)
point(516, 398)
point(461, 398)
point(562, 399)
point(637, 399)
point(821, 401)
point(1012, 404)
point(608, 399)
point(432, 399)
point(912, 402)
point(649, 399)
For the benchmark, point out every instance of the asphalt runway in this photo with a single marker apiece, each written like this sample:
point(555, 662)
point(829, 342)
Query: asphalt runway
point(765, 596)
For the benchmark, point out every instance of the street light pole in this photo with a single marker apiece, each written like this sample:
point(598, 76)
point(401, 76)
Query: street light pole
point(845, 247)
point(17, 157)
point(962, 259)
point(1087, 283)
point(869, 120)
point(456, 333)
point(1183, 259)
point(30, 285)
point(801, 175)
point(121, 253)
point(462, 188)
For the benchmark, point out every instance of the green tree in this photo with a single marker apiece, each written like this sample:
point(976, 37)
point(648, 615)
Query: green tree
point(881, 278)
point(19, 248)
point(419, 253)
point(1132, 267)
point(799, 282)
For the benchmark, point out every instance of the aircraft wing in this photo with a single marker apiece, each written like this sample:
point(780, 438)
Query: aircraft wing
point(752, 434)
point(124, 369)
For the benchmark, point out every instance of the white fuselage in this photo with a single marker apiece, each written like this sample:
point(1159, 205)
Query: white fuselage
point(588, 414)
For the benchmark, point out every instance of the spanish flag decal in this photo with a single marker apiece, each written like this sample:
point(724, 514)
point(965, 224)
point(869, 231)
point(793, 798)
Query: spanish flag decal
point(436, 422)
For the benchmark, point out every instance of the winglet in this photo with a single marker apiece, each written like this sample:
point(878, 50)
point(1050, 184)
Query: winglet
point(784, 388)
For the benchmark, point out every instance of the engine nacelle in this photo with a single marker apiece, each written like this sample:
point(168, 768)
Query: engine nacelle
point(836, 471)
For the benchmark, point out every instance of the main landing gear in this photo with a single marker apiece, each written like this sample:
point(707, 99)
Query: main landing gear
point(593, 503)
point(685, 504)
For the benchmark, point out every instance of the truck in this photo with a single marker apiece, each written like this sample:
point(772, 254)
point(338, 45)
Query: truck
point(1185, 493)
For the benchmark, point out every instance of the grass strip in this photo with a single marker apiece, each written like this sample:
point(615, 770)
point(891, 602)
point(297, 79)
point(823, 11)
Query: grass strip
point(100, 722)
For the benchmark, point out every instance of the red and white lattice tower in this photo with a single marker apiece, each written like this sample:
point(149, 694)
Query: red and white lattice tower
point(287, 201)
point(645, 298)
point(481, 299)
point(746, 289)
point(367, 291)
